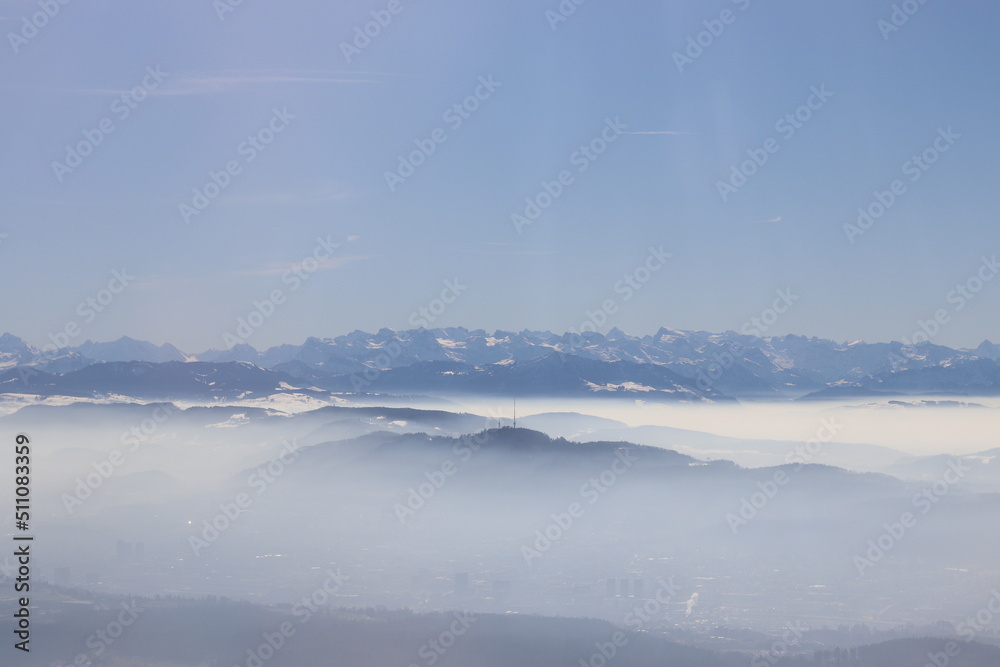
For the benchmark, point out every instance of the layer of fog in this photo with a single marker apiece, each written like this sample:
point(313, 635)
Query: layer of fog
point(338, 504)
point(918, 428)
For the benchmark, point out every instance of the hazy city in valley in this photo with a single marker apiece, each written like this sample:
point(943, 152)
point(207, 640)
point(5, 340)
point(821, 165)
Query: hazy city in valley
point(555, 333)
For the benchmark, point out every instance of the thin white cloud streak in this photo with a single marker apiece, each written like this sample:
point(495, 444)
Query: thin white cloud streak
point(503, 252)
point(331, 264)
point(285, 197)
point(161, 283)
point(229, 82)
point(670, 132)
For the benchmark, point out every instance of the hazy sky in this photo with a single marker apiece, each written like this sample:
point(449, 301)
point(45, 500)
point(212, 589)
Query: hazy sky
point(279, 72)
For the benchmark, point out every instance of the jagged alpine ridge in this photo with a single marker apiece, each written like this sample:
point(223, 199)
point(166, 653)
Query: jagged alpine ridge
point(693, 365)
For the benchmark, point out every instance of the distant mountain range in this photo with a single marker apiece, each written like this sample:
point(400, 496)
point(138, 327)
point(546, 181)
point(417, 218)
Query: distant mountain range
point(669, 365)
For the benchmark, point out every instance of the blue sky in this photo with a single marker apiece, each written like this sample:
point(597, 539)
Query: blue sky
point(343, 125)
